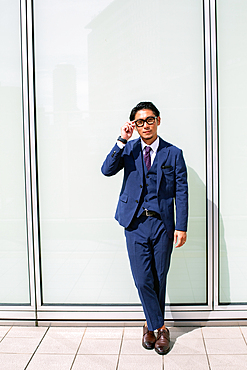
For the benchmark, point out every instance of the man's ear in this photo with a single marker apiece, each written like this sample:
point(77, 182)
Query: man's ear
point(158, 118)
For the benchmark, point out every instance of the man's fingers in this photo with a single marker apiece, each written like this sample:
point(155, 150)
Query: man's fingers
point(179, 238)
point(180, 243)
point(175, 238)
point(127, 130)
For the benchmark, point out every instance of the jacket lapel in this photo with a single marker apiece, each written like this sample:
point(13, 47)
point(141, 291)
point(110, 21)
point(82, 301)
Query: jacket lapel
point(137, 154)
point(162, 155)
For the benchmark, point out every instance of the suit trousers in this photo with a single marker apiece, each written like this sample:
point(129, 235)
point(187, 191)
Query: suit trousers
point(149, 249)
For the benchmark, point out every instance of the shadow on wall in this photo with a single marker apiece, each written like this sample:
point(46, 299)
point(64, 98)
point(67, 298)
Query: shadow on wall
point(187, 278)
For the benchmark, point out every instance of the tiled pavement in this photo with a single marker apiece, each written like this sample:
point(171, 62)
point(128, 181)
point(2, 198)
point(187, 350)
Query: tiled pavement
point(119, 348)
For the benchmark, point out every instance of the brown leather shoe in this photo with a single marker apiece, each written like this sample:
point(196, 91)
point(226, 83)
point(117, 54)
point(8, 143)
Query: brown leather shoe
point(162, 342)
point(148, 339)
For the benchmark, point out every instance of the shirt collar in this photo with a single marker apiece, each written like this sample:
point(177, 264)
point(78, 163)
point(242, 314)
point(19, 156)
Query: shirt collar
point(154, 146)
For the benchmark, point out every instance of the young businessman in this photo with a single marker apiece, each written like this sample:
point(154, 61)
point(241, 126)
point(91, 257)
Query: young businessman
point(154, 176)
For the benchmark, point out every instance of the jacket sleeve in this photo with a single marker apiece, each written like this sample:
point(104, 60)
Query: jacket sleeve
point(181, 196)
point(113, 162)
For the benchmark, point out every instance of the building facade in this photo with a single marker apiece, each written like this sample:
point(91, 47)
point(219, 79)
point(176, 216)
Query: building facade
point(70, 72)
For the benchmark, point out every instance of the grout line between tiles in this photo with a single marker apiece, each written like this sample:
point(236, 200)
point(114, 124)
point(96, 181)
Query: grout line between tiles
point(243, 335)
point(120, 348)
point(204, 343)
point(36, 349)
point(6, 334)
point(78, 349)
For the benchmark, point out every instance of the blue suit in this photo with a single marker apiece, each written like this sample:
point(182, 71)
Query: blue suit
point(149, 240)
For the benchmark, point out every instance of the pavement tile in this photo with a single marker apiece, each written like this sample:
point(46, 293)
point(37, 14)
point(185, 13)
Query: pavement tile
point(50, 362)
point(65, 346)
point(244, 331)
point(228, 362)
point(13, 361)
point(133, 333)
point(106, 333)
point(19, 345)
point(72, 332)
point(185, 346)
point(139, 362)
point(99, 350)
point(232, 346)
point(185, 332)
point(222, 332)
point(95, 362)
point(99, 347)
point(26, 332)
point(134, 347)
point(4, 330)
point(181, 362)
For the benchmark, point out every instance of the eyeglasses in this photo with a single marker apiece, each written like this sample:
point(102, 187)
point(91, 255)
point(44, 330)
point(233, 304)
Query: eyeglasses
point(150, 121)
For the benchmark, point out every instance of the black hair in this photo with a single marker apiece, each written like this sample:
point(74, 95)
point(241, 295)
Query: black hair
point(144, 105)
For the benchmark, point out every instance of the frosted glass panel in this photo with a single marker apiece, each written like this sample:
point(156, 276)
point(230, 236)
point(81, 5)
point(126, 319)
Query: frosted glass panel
point(94, 61)
point(232, 43)
point(14, 284)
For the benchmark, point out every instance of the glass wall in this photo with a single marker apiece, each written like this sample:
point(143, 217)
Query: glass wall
point(232, 61)
point(14, 281)
point(94, 61)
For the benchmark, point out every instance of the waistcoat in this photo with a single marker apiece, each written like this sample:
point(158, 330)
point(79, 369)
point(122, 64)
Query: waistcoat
point(149, 198)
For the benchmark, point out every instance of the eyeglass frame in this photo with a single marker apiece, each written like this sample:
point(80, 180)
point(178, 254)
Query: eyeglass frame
point(145, 120)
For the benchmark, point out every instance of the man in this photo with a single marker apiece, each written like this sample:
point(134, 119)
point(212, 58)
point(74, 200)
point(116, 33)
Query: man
point(154, 175)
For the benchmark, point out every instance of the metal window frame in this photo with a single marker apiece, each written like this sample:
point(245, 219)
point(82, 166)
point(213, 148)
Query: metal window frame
point(135, 312)
point(25, 313)
point(225, 308)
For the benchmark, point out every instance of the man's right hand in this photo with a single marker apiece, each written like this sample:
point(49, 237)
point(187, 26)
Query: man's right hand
point(127, 130)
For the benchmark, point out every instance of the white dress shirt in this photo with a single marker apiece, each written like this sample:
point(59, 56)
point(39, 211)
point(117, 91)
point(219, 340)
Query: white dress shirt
point(154, 147)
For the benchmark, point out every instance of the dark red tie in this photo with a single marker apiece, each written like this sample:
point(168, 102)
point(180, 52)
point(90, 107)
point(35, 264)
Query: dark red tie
point(147, 157)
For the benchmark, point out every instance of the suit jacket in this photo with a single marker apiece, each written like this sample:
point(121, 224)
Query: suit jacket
point(171, 183)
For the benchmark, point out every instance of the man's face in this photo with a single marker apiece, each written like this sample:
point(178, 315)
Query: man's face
point(147, 132)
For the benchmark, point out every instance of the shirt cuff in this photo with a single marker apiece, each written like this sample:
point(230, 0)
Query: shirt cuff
point(120, 144)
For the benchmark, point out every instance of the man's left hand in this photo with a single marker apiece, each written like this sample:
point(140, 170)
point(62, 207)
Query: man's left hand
point(179, 238)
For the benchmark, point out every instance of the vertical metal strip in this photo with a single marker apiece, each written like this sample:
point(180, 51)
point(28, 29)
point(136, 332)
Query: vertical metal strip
point(33, 148)
point(209, 154)
point(215, 149)
point(30, 149)
point(26, 116)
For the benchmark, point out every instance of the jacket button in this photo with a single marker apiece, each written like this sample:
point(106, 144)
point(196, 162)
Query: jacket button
point(141, 186)
point(147, 177)
point(136, 201)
